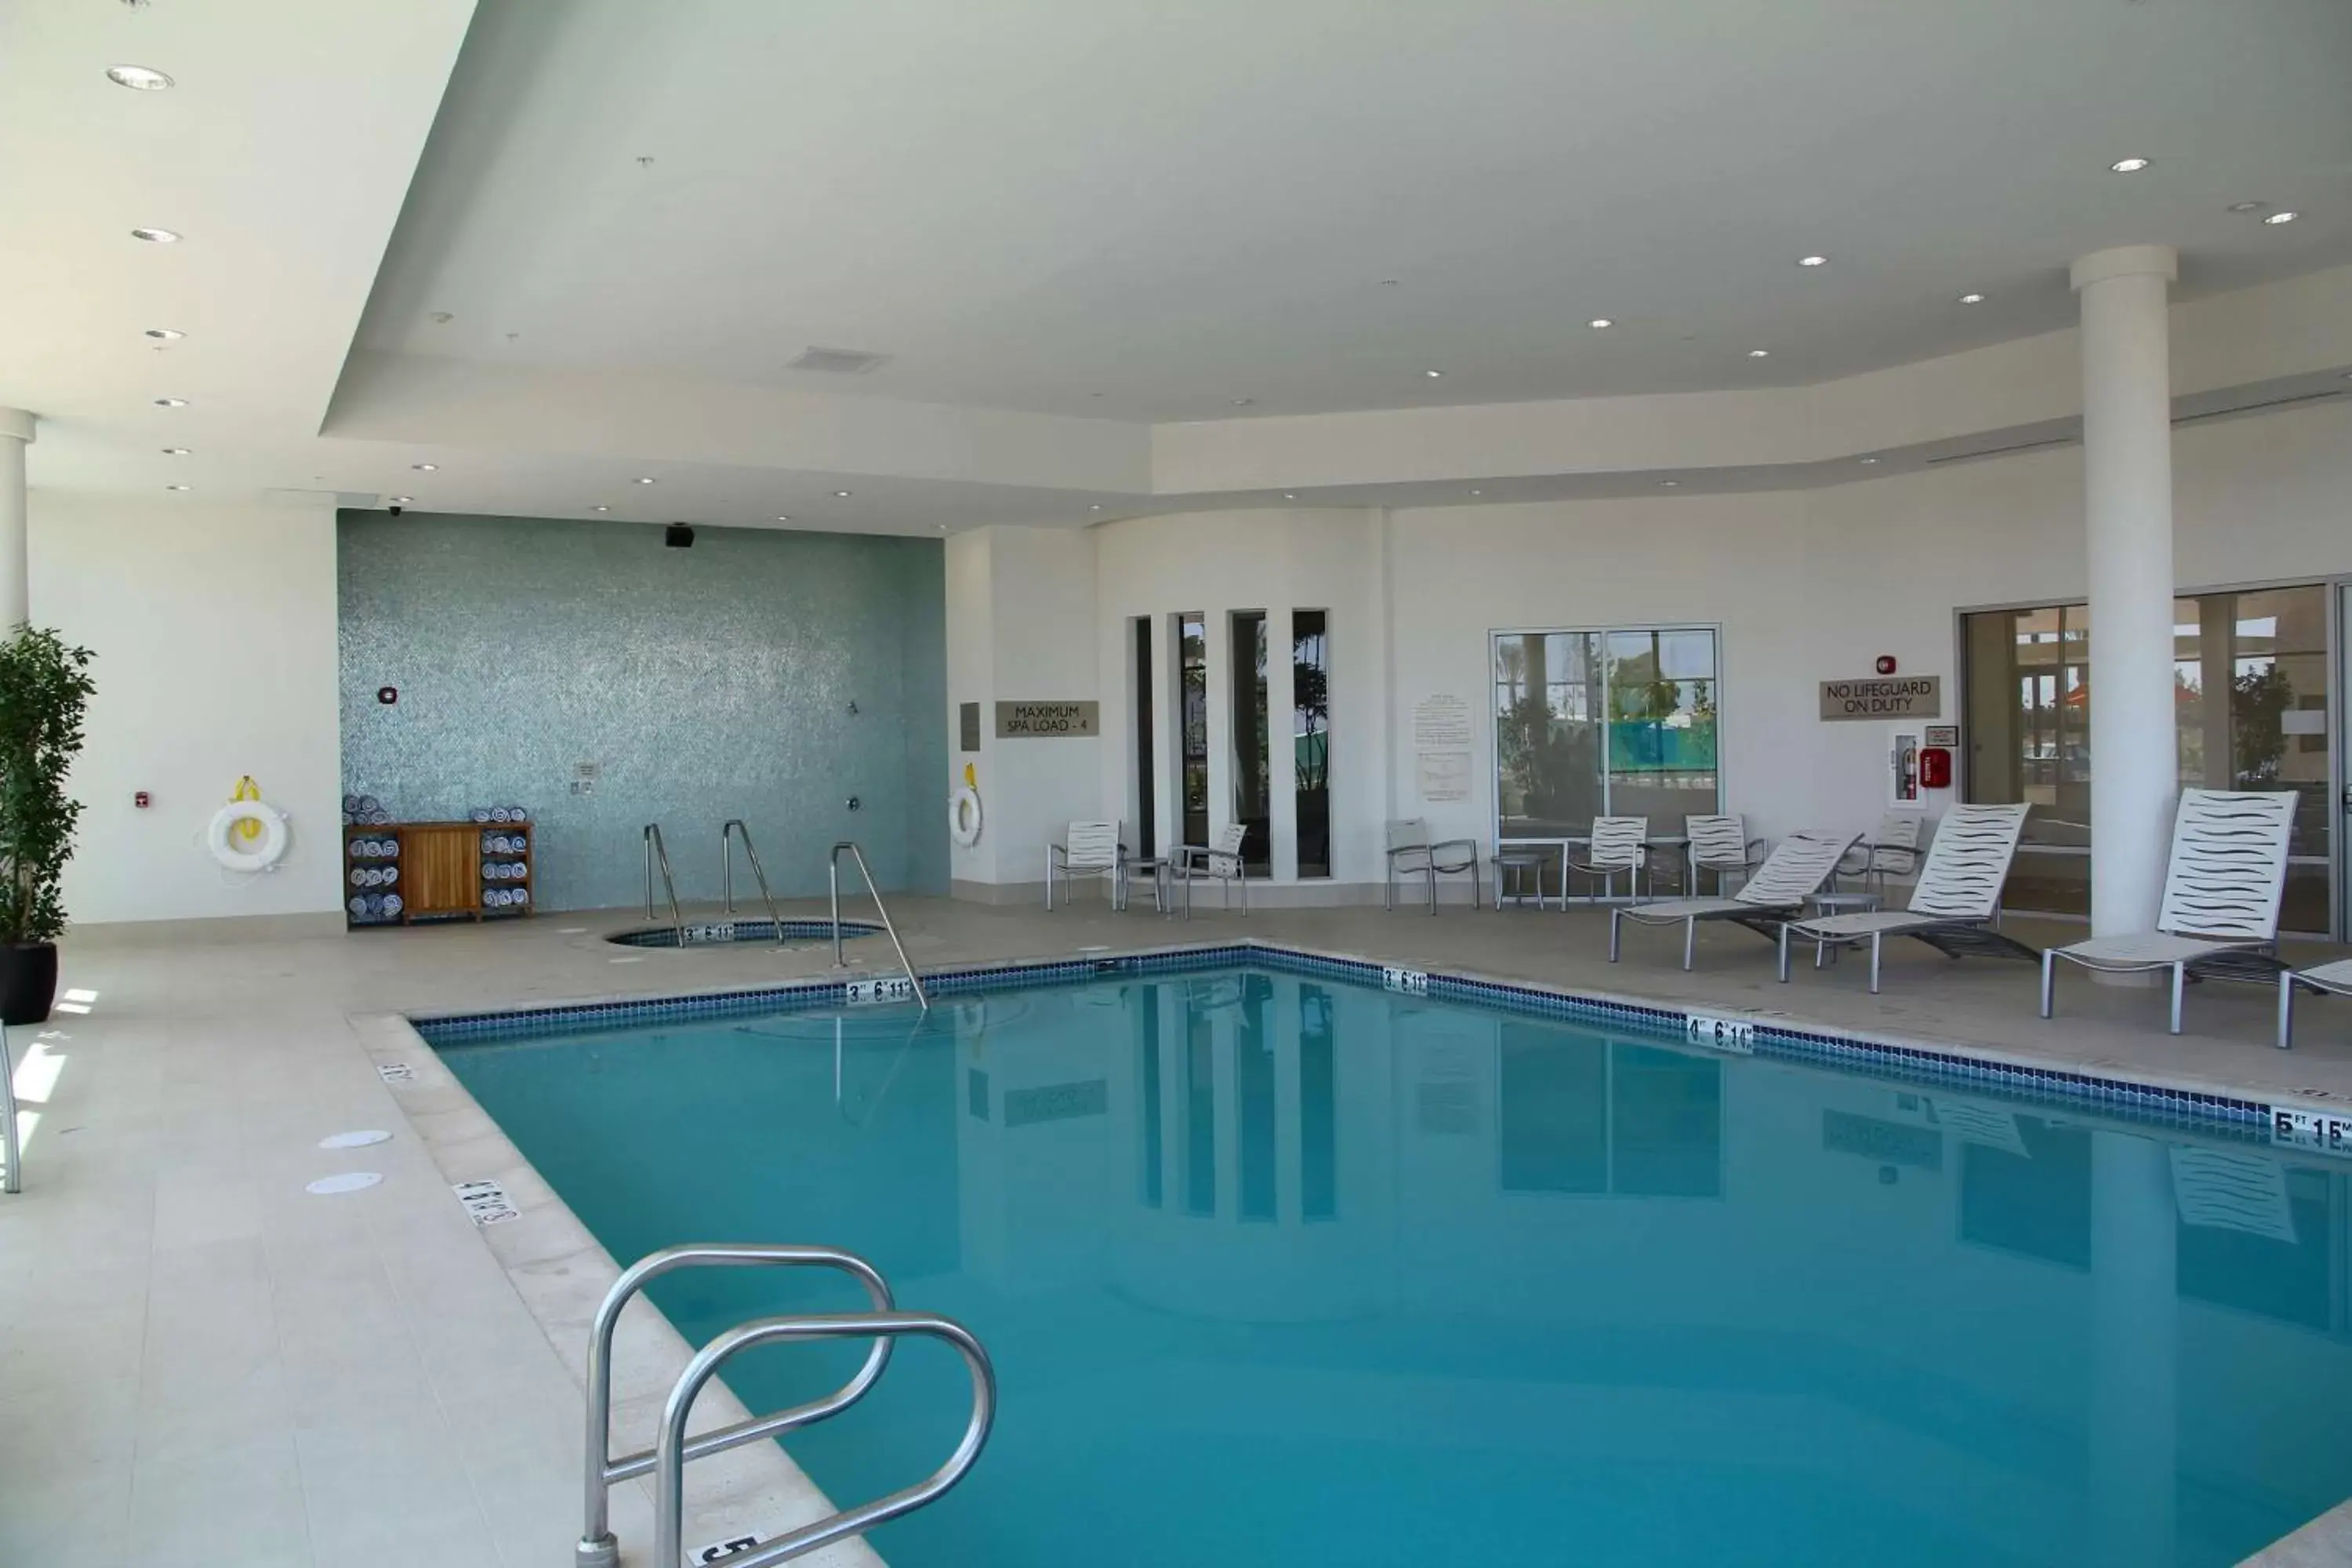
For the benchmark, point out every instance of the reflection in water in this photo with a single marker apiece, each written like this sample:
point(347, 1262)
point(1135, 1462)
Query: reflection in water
point(1896, 1325)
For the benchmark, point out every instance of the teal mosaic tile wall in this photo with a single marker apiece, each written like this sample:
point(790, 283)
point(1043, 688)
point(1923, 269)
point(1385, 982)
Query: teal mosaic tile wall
point(697, 684)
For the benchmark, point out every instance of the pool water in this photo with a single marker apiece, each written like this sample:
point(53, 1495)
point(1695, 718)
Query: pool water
point(1280, 1272)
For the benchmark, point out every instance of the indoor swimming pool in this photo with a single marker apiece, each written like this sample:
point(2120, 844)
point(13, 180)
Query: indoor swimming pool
point(1280, 1270)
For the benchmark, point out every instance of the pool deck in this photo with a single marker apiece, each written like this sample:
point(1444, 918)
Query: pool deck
point(201, 1363)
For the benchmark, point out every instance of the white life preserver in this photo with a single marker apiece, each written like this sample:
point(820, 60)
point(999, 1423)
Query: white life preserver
point(221, 836)
point(964, 816)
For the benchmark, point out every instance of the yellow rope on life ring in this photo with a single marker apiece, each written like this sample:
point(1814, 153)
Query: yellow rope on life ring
point(247, 829)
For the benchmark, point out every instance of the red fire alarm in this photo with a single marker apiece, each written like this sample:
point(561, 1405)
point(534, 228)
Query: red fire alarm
point(1935, 768)
point(1886, 664)
point(140, 800)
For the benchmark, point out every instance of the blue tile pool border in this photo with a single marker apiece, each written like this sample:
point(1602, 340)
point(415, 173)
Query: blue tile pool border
point(2124, 1099)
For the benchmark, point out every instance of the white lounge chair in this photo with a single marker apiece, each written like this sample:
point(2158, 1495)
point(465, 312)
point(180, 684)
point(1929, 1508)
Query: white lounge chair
point(1720, 845)
point(1089, 849)
point(1892, 849)
point(1410, 854)
point(1619, 845)
point(1221, 861)
point(2220, 897)
point(1959, 890)
point(1790, 875)
point(2324, 980)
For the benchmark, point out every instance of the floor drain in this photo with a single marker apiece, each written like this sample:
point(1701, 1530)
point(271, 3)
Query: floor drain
point(344, 1182)
point(354, 1139)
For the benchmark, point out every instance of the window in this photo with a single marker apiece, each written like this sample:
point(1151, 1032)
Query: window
point(1192, 722)
point(1147, 835)
point(2250, 703)
point(1621, 722)
point(1310, 726)
point(1252, 794)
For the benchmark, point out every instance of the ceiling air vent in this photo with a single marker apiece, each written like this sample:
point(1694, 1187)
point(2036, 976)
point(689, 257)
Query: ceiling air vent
point(837, 362)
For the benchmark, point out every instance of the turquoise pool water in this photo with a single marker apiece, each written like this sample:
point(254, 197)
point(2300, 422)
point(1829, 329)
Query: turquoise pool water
point(1283, 1271)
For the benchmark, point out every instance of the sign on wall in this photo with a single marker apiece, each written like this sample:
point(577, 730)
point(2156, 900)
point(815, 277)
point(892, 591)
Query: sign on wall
point(968, 726)
point(1441, 722)
point(1896, 697)
point(1029, 721)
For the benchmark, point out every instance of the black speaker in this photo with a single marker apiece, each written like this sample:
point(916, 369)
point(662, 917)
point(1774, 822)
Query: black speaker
point(677, 536)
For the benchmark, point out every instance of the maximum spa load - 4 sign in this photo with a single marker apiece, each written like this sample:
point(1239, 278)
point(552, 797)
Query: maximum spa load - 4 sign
point(1889, 696)
point(1017, 720)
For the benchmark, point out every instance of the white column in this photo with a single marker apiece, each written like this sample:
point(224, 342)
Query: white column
point(16, 570)
point(2127, 506)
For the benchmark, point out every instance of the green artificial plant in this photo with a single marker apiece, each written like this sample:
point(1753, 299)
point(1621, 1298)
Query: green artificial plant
point(45, 686)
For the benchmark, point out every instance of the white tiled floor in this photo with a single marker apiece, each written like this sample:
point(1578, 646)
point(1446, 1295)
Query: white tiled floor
point(201, 1363)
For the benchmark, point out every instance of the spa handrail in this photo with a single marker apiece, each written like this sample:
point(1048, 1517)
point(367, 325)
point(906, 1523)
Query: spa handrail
point(832, 876)
point(726, 835)
point(656, 852)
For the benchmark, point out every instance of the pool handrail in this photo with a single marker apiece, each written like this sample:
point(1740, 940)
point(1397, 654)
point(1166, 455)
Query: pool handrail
point(833, 878)
point(674, 1448)
point(727, 832)
point(597, 1548)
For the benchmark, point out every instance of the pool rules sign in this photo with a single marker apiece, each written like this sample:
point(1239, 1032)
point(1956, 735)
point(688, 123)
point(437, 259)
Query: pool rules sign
point(1895, 697)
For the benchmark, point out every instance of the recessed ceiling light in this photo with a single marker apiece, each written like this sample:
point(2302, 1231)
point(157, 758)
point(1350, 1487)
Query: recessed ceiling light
point(1759, 353)
point(165, 334)
point(175, 487)
point(1243, 402)
point(1668, 484)
point(1433, 374)
point(138, 79)
point(1094, 509)
point(782, 518)
point(2129, 165)
point(1813, 261)
point(1598, 322)
point(841, 495)
point(170, 403)
point(155, 235)
point(1289, 495)
point(608, 509)
point(1971, 298)
point(1477, 493)
point(646, 481)
point(175, 451)
point(425, 467)
point(402, 500)
point(2282, 217)
point(1865, 462)
point(2247, 206)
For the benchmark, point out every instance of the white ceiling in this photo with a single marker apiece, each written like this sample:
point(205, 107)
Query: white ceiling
point(1066, 223)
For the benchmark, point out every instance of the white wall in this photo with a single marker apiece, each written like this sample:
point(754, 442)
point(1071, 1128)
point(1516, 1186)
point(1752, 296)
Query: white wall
point(215, 631)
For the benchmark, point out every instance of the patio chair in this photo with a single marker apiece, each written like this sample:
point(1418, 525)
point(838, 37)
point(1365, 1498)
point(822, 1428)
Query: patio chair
point(1089, 849)
point(1619, 846)
point(1892, 847)
point(1721, 845)
point(2220, 914)
point(2324, 980)
point(1221, 861)
point(1410, 854)
point(1792, 873)
point(1959, 888)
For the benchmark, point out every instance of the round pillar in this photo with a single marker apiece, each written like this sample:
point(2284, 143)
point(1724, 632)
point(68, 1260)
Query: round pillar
point(16, 434)
point(2127, 513)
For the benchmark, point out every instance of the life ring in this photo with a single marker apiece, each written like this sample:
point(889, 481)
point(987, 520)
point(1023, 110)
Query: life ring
point(246, 818)
point(964, 816)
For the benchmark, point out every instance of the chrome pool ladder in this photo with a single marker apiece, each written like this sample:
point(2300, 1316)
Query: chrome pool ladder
point(728, 832)
point(833, 878)
point(658, 855)
point(667, 1459)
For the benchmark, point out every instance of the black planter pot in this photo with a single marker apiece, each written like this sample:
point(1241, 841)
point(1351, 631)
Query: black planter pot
point(28, 981)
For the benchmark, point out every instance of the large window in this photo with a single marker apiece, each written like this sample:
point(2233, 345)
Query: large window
point(1253, 796)
point(2250, 703)
point(1192, 723)
point(1310, 726)
point(1618, 722)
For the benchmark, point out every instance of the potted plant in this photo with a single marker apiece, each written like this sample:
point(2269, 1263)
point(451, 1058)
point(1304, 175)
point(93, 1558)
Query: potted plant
point(44, 688)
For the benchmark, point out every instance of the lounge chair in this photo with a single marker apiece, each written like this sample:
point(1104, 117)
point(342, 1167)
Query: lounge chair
point(2221, 891)
point(1619, 845)
point(1959, 889)
point(1777, 893)
point(1090, 849)
point(1410, 854)
point(1892, 849)
point(1721, 845)
point(1221, 861)
point(2326, 980)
